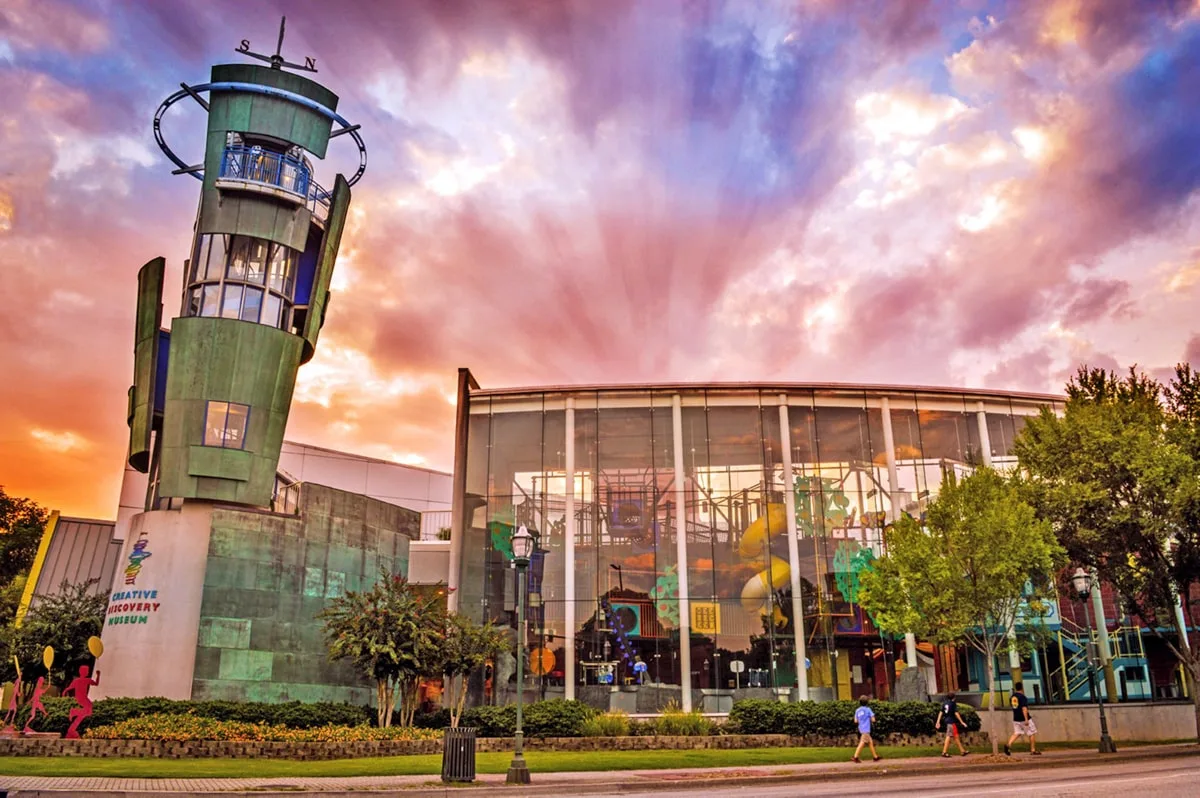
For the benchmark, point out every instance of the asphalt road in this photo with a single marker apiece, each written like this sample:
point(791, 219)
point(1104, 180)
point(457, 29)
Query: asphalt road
point(1164, 778)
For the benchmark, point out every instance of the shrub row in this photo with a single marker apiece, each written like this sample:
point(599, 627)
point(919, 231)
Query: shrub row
point(293, 715)
point(673, 723)
point(757, 716)
point(176, 727)
point(555, 718)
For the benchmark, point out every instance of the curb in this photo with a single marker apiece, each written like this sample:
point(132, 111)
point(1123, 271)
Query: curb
point(684, 783)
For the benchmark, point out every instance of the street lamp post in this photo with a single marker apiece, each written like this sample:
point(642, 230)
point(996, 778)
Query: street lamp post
point(522, 547)
point(1082, 582)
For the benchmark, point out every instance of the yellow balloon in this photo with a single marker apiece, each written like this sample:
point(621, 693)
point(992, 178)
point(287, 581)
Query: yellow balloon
point(95, 646)
point(48, 657)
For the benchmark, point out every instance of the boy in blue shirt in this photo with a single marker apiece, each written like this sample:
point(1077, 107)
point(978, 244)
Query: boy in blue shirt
point(863, 717)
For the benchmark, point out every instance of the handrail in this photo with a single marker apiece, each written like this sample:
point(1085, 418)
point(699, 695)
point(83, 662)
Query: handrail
point(256, 165)
point(287, 172)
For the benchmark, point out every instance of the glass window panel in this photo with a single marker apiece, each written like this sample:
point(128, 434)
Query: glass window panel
point(235, 426)
point(278, 267)
point(291, 261)
point(216, 257)
point(239, 254)
point(1000, 433)
point(194, 296)
point(199, 259)
point(211, 302)
point(272, 304)
point(256, 261)
point(214, 423)
point(231, 308)
point(251, 304)
point(515, 464)
point(945, 435)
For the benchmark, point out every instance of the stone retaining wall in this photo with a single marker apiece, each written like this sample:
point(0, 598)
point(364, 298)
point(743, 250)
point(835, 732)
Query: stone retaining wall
point(219, 749)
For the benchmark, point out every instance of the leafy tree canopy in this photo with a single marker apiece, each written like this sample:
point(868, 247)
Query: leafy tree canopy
point(64, 620)
point(22, 522)
point(393, 633)
point(1118, 476)
point(468, 645)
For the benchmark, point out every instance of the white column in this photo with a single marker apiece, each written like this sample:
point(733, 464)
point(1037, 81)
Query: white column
point(985, 452)
point(1101, 625)
point(1180, 618)
point(685, 619)
point(789, 500)
point(569, 559)
point(889, 445)
point(985, 439)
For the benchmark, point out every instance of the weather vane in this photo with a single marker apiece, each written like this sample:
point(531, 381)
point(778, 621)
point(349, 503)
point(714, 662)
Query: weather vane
point(276, 61)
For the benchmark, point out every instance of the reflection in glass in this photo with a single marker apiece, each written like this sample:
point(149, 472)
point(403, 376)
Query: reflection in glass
point(214, 423)
point(211, 300)
point(732, 505)
point(231, 307)
point(251, 304)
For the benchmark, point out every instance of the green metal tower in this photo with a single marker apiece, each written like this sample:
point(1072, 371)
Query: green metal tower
point(210, 399)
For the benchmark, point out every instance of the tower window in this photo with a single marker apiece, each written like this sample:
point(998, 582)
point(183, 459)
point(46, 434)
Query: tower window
point(225, 425)
point(242, 277)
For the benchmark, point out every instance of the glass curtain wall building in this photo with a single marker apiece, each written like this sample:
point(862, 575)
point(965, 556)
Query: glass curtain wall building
point(704, 538)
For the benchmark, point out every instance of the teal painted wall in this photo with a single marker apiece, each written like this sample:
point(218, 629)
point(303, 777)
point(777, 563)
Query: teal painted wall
point(145, 360)
point(268, 575)
point(330, 241)
point(226, 360)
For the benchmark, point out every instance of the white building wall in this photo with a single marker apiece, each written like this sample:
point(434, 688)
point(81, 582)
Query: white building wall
point(153, 615)
point(414, 488)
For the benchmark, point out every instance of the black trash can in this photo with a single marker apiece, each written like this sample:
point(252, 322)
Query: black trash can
point(458, 755)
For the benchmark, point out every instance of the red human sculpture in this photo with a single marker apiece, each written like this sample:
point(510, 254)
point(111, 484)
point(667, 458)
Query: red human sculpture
point(35, 703)
point(79, 687)
point(10, 718)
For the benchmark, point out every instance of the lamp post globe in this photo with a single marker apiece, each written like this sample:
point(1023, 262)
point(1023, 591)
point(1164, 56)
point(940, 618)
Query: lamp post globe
point(522, 546)
point(1081, 580)
point(522, 549)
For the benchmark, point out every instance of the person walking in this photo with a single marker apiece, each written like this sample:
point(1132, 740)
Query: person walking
point(864, 716)
point(1023, 725)
point(953, 722)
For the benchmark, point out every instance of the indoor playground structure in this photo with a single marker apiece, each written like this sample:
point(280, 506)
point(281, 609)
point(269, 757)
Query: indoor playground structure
point(755, 547)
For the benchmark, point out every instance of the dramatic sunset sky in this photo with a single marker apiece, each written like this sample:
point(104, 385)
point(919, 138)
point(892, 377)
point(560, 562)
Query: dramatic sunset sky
point(964, 193)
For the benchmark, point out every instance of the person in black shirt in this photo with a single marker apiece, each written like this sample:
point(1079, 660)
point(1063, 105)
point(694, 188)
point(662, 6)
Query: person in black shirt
point(953, 722)
point(1023, 724)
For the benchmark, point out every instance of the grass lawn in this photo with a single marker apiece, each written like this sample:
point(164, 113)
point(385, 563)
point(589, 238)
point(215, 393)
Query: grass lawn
point(539, 761)
point(431, 764)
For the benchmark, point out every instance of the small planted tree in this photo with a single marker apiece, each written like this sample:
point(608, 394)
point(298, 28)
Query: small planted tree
point(983, 562)
point(468, 646)
point(63, 620)
point(394, 634)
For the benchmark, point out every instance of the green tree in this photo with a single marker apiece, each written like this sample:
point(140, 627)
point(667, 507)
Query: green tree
point(63, 620)
point(394, 634)
point(10, 598)
point(467, 647)
point(983, 562)
point(22, 522)
point(1118, 476)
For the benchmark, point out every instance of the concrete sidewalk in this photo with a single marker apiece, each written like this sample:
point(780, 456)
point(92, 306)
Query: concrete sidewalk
point(566, 783)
